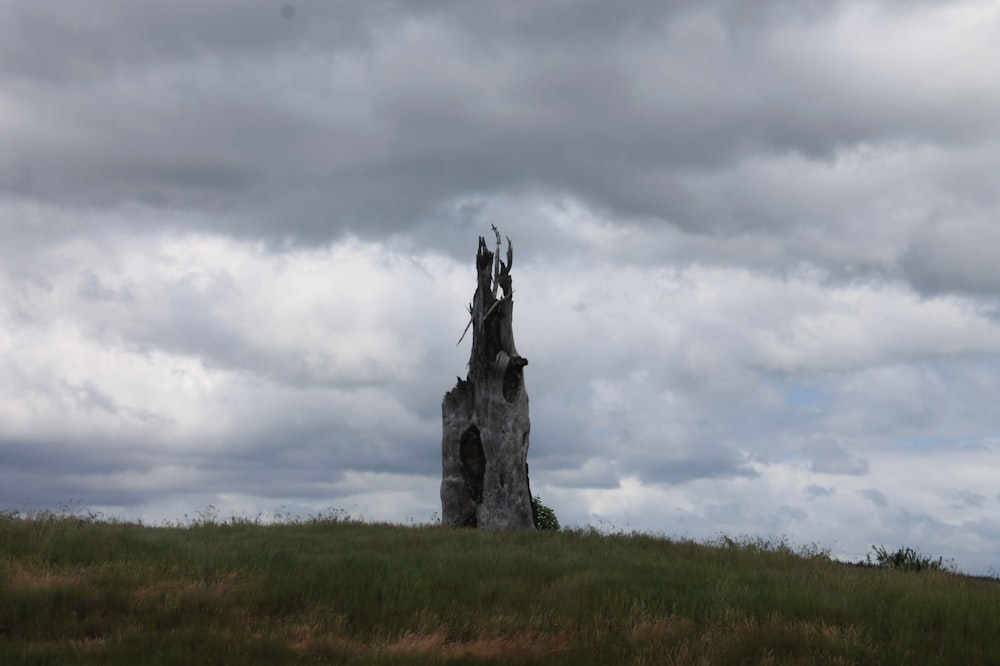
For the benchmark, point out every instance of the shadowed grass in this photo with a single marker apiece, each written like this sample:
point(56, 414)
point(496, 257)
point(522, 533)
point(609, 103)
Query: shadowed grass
point(328, 590)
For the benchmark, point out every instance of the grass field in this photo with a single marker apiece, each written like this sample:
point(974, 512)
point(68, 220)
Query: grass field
point(83, 591)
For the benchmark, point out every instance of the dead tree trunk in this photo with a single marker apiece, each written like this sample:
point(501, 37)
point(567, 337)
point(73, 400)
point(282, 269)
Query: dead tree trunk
point(484, 447)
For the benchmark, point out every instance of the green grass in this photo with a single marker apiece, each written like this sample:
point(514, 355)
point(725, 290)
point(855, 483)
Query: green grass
point(82, 591)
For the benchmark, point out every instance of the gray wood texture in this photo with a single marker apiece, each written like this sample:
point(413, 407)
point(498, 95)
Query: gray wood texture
point(484, 443)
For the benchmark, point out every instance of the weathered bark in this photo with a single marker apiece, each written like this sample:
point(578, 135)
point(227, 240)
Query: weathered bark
point(484, 446)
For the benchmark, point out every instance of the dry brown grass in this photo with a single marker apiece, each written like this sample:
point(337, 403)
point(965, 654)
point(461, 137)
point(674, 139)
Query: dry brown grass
point(31, 576)
point(173, 591)
point(513, 646)
point(437, 644)
point(669, 629)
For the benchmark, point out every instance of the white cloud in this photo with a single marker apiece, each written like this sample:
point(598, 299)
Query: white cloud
point(754, 271)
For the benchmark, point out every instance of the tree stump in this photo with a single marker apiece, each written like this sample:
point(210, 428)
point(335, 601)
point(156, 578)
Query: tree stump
point(484, 446)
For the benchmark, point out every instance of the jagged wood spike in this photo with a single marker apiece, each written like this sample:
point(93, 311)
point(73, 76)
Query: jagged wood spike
point(466, 326)
point(464, 332)
point(496, 261)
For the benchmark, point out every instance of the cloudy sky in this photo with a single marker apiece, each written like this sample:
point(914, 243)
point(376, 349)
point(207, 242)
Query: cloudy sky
point(756, 258)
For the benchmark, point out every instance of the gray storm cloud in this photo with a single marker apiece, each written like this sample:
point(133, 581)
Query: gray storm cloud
point(758, 277)
point(793, 126)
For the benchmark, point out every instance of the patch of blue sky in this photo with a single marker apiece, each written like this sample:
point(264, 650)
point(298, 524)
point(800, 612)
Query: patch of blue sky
point(967, 440)
point(808, 398)
point(924, 442)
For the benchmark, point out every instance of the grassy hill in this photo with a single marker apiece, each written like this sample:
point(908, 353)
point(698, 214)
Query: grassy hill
point(80, 591)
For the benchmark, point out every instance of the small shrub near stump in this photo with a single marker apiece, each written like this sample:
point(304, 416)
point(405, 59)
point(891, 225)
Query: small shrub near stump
point(545, 518)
